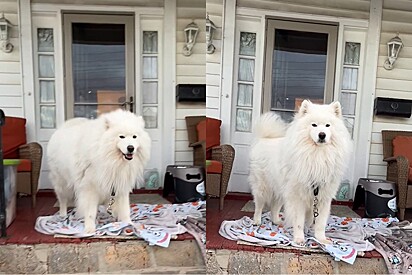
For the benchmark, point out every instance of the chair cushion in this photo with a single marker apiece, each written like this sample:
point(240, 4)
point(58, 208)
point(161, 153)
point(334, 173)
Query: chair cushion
point(209, 130)
point(402, 146)
point(13, 136)
point(215, 167)
point(24, 166)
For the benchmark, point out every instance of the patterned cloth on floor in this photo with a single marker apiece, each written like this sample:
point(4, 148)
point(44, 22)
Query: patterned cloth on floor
point(154, 223)
point(396, 249)
point(348, 235)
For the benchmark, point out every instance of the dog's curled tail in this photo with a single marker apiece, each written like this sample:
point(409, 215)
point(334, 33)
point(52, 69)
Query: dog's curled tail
point(270, 125)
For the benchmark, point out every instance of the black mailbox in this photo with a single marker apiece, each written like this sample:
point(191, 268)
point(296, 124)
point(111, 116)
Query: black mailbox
point(191, 92)
point(393, 107)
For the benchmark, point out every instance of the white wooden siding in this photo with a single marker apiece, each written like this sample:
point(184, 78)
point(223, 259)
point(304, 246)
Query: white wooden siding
point(189, 70)
point(396, 83)
point(11, 97)
point(142, 3)
point(358, 9)
point(213, 61)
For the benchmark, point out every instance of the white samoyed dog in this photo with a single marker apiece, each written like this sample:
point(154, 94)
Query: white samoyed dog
point(291, 165)
point(92, 160)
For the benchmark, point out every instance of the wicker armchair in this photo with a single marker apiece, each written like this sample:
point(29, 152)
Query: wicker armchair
point(30, 155)
point(219, 157)
point(199, 146)
point(216, 184)
point(28, 182)
point(398, 170)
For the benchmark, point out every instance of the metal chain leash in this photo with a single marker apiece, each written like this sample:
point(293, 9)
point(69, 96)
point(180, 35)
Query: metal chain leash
point(109, 207)
point(111, 202)
point(315, 204)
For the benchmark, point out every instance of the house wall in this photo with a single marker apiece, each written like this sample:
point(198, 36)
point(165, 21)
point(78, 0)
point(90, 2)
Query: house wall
point(213, 61)
point(189, 70)
point(11, 95)
point(396, 83)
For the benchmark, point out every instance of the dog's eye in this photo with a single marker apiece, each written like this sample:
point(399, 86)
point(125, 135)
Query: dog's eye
point(314, 125)
point(134, 136)
point(121, 137)
point(327, 125)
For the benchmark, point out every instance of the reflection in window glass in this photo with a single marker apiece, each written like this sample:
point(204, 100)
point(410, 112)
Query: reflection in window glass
point(352, 53)
point(45, 40)
point(149, 67)
point(48, 117)
point(149, 92)
point(98, 67)
point(350, 79)
point(348, 101)
point(246, 69)
point(150, 117)
point(243, 120)
point(245, 95)
point(150, 42)
point(47, 91)
point(299, 68)
point(46, 65)
point(247, 43)
point(350, 124)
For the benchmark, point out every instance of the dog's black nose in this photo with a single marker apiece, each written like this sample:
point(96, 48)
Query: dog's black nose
point(322, 135)
point(130, 148)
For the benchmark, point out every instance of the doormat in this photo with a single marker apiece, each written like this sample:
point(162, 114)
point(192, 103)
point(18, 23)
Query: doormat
point(136, 198)
point(336, 210)
point(155, 223)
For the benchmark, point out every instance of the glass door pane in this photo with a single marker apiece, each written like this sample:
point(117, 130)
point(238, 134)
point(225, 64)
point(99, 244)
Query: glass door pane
point(99, 68)
point(299, 57)
point(99, 63)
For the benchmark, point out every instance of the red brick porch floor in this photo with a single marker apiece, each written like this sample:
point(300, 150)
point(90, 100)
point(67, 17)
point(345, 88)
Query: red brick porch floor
point(21, 231)
point(231, 211)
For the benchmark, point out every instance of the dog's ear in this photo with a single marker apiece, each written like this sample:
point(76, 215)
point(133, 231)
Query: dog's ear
point(141, 121)
point(106, 122)
point(337, 109)
point(304, 108)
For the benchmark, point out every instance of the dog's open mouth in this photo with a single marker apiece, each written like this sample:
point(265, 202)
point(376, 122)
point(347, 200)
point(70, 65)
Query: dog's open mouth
point(128, 156)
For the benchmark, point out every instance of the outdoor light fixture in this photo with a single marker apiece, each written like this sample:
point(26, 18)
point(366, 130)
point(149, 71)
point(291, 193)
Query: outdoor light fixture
point(191, 31)
point(394, 47)
point(5, 27)
point(210, 28)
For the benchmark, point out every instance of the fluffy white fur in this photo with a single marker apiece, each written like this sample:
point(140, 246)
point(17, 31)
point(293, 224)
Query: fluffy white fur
point(90, 158)
point(287, 163)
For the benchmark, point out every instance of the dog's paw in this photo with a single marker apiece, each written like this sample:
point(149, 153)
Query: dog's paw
point(90, 229)
point(324, 241)
point(257, 221)
point(275, 219)
point(299, 241)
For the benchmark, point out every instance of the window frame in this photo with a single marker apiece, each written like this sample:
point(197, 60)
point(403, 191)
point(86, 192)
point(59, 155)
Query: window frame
point(271, 26)
point(128, 20)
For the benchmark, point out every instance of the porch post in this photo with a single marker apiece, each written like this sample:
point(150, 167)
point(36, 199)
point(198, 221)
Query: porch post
point(26, 54)
point(2, 183)
point(228, 44)
point(169, 83)
point(369, 87)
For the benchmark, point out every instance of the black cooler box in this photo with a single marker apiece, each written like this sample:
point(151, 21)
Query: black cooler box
point(187, 181)
point(380, 197)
